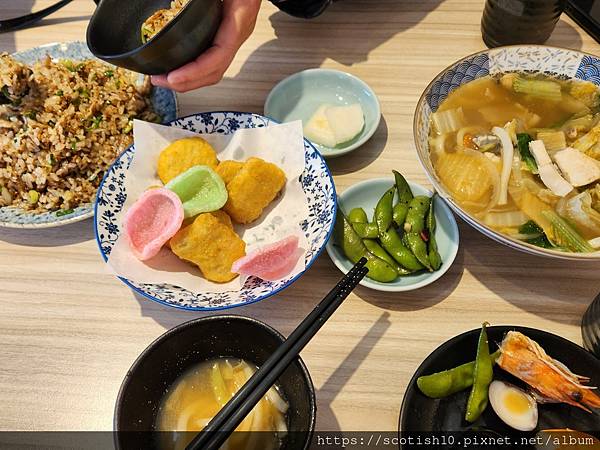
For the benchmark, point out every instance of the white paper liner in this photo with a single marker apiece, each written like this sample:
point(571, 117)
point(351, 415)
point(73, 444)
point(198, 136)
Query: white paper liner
point(280, 144)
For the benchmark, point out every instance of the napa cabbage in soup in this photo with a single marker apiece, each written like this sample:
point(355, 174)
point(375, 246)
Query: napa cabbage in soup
point(522, 154)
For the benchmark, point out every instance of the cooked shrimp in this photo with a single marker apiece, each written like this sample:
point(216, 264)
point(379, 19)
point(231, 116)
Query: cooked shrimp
point(526, 360)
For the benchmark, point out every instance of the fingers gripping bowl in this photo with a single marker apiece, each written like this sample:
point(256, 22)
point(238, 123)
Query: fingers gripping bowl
point(511, 114)
point(315, 186)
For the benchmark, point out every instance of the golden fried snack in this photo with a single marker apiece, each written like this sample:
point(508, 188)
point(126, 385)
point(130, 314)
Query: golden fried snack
point(254, 187)
point(183, 154)
point(210, 244)
point(223, 217)
point(227, 170)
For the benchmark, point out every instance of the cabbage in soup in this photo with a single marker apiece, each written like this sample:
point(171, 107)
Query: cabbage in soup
point(522, 154)
point(200, 393)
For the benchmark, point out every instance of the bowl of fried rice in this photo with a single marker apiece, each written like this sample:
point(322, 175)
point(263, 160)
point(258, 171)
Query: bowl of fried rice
point(65, 117)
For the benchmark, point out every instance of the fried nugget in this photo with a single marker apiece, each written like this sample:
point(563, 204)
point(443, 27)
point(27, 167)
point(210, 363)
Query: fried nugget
point(210, 244)
point(183, 154)
point(253, 188)
point(227, 170)
point(223, 217)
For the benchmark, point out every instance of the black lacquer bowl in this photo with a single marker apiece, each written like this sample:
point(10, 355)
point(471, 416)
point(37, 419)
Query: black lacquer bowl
point(421, 415)
point(114, 34)
point(590, 327)
point(193, 342)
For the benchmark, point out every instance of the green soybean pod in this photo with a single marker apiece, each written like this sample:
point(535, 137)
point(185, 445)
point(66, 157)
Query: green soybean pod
point(379, 270)
point(434, 255)
point(483, 373)
point(357, 215)
point(391, 242)
point(405, 195)
point(418, 247)
point(448, 382)
point(417, 210)
point(366, 230)
point(399, 214)
point(354, 249)
point(350, 242)
point(380, 252)
point(384, 210)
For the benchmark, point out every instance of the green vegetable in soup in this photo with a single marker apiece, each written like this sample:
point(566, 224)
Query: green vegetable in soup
point(565, 234)
point(531, 228)
point(523, 140)
point(544, 89)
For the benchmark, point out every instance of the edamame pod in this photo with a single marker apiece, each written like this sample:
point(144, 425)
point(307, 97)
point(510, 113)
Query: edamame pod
point(380, 252)
point(417, 210)
point(404, 193)
point(399, 214)
point(383, 210)
point(448, 382)
point(434, 255)
point(483, 374)
point(354, 249)
point(392, 243)
point(357, 215)
point(418, 247)
point(366, 230)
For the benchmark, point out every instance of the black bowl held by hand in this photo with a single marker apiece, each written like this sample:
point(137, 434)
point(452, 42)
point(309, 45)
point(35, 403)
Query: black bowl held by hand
point(114, 34)
point(194, 342)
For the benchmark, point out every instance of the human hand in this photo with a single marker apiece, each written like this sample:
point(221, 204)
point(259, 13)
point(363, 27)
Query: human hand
point(239, 19)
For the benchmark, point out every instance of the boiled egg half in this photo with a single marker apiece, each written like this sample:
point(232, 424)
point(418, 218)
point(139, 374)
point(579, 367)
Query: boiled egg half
point(515, 407)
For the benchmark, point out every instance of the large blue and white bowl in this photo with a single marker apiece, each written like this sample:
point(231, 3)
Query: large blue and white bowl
point(552, 61)
point(164, 102)
point(317, 184)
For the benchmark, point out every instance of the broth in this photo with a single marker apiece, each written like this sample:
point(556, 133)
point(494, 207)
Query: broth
point(522, 154)
point(198, 395)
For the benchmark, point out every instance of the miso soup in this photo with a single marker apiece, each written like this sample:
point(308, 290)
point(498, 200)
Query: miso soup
point(522, 154)
point(198, 395)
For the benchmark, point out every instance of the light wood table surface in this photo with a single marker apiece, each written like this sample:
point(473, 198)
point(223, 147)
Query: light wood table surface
point(69, 330)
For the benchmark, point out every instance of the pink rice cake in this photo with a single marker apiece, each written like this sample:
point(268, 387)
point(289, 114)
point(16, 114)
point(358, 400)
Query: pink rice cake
point(271, 262)
point(151, 221)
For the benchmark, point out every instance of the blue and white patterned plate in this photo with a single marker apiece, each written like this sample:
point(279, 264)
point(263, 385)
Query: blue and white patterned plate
point(317, 184)
point(552, 61)
point(163, 100)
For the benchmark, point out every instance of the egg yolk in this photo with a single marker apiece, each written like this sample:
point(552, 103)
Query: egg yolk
point(516, 402)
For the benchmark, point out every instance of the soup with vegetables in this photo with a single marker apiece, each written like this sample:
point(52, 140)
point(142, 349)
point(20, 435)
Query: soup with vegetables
point(200, 393)
point(522, 154)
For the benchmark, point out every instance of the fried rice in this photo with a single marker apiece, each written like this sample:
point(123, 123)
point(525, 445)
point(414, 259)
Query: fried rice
point(62, 124)
point(157, 21)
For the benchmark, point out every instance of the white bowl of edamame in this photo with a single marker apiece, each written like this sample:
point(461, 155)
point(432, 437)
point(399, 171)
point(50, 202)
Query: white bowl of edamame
point(366, 195)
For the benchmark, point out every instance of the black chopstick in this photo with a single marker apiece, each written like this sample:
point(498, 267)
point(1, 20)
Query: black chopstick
point(234, 412)
point(17, 23)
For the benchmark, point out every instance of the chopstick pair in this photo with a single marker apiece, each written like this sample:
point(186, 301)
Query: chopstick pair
point(240, 405)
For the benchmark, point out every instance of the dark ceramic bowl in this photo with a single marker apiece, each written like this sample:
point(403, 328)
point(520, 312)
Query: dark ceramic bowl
point(193, 342)
point(590, 327)
point(114, 35)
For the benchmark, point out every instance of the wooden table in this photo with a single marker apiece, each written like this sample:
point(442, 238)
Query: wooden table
point(69, 330)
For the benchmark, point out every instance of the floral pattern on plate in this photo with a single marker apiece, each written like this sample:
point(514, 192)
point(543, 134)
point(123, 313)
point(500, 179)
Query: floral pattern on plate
point(317, 184)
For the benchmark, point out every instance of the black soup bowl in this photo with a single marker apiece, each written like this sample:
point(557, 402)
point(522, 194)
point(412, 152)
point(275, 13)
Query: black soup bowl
point(190, 343)
point(114, 34)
